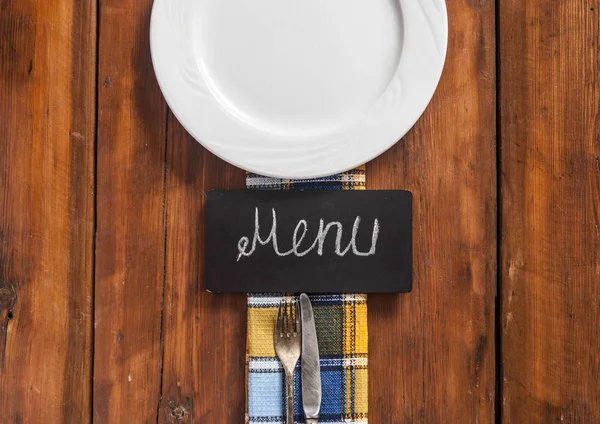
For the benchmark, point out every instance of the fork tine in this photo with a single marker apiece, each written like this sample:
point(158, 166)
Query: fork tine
point(297, 321)
point(278, 322)
point(293, 316)
point(286, 322)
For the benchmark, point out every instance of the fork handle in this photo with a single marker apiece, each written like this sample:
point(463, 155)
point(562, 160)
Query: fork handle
point(289, 416)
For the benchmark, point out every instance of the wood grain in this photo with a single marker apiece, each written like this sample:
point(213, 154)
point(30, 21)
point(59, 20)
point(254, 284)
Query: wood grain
point(47, 129)
point(130, 240)
point(204, 333)
point(432, 352)
point(550, 251)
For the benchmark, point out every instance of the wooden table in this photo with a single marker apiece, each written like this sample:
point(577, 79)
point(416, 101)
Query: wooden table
point(103, 316)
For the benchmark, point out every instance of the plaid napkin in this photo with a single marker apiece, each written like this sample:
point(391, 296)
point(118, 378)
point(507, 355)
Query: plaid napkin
point(341, 322)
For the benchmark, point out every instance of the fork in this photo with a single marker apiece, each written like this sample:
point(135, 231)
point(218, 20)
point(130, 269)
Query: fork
point(287, 339)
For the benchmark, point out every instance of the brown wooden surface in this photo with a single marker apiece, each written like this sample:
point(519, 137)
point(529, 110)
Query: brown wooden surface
point(103, 315)
point(130, 238)
point(204, 334)
point(432, 355)
point(550, 250)
point(47, 130)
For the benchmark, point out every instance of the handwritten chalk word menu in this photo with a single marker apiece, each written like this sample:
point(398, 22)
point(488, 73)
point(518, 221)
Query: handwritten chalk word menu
point(309, 241)
point(318, 244)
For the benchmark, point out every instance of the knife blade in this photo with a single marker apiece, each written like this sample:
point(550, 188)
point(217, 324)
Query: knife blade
point(311, 369)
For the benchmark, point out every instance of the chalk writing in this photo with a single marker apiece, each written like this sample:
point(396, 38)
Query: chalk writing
point(246, 249)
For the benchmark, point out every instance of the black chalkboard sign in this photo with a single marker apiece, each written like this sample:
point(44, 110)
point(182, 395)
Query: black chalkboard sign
point(309, 241)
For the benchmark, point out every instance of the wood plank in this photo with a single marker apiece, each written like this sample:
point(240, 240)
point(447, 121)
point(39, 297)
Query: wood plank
point(432, 352)
point(130, 218)
point(204, 333)
point(47, 131)
point(550, 251)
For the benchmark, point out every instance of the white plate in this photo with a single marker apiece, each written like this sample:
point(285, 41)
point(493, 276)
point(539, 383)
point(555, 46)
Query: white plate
point(298, 88)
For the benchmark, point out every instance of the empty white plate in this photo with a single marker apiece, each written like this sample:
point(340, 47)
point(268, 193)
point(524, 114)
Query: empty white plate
point(298, 88)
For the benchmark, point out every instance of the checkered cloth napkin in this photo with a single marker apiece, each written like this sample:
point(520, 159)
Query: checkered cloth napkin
point(341, 322)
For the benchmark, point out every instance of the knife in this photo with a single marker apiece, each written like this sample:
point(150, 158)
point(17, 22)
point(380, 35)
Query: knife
point(311, 369)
